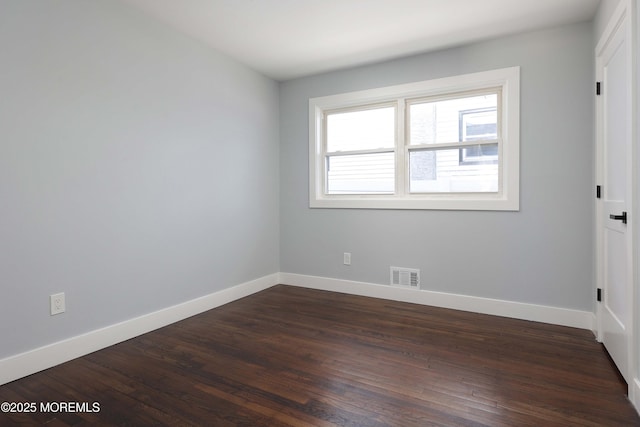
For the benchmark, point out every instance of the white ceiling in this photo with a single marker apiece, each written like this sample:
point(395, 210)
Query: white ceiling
point(284, 39)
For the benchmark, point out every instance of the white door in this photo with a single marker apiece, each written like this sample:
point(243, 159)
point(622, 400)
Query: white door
point(614, 213)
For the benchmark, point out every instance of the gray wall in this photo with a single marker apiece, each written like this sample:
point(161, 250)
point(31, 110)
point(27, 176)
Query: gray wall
point(541, 255)
point(138, 169)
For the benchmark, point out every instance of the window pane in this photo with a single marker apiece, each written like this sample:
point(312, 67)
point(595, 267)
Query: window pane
point(361, 174)
point(476, 154)
point(454, 120)
point(361, 130)
point(477, 124)
point(440, 171)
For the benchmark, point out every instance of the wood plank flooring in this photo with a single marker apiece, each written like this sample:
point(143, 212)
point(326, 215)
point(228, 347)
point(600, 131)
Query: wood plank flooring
point(290, 356)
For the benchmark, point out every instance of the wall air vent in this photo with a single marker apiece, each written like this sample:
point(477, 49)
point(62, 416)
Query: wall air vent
point(405, 277)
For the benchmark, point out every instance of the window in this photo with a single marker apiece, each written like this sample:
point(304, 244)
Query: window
point(449, 143)
point(360, 146)
point(448, 138)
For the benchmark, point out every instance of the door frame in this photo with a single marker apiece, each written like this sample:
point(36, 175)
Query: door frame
point(626, 9)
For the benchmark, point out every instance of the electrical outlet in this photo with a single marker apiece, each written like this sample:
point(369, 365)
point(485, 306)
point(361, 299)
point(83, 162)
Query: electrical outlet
point(57, 303)
point(347, 258)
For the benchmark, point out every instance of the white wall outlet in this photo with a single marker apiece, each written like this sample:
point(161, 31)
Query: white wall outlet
point(347, 258)
point(57, 303)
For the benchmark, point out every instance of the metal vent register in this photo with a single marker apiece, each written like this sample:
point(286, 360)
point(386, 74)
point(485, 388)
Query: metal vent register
point(405, 277)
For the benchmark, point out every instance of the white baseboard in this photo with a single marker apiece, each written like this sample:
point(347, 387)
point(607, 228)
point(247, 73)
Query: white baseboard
point(634, 394)
point(594, 326)
point(30, 362)
point(516, 310)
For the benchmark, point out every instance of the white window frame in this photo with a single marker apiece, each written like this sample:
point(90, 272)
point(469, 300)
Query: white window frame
point(508, 196)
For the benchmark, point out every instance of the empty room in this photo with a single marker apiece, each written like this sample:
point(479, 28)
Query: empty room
point(319, 213)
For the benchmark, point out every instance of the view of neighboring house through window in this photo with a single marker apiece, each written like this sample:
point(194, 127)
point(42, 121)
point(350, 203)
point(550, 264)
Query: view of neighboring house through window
point(454, 144)
point(450, 143)
point(477, 125)
point(360, 150)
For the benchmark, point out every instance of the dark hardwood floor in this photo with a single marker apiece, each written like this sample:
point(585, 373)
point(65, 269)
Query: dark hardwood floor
point(297, 357)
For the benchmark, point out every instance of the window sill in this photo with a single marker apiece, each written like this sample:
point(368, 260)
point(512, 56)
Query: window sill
point(491, 202)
